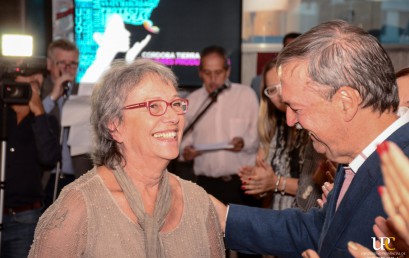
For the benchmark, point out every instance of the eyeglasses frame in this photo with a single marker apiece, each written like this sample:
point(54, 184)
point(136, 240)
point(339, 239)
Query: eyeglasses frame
point(70, 65)
point(147, 104)
point(277, 86)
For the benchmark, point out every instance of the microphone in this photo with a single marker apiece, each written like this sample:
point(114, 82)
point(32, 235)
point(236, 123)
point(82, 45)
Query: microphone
point(225, 85)
point(67, 85)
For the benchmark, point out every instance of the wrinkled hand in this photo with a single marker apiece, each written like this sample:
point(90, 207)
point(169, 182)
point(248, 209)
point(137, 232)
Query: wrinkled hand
point(357, 251)
point(190, 153)
point(395, 194)
point(325, 172)
point(310, 254)
point(238, 144)
point(260, 180)
point(260, 158)
point(326, 188)
point(246, 172)
point(385, 228)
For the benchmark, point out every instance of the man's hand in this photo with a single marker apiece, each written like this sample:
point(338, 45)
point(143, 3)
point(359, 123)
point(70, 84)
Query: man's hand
point(35, 81)
point(58, 88)
point(238, 144)
point(326, 188)
point(189, 153)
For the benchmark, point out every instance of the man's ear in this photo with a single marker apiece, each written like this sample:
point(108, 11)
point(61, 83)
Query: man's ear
point(115, 134)
point(49, 63)
point(228, 72)
point(349, 101)
point(200, 74)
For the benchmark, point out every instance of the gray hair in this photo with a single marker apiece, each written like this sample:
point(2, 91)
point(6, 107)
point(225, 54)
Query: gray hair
point(340, 54)
point(107, 101)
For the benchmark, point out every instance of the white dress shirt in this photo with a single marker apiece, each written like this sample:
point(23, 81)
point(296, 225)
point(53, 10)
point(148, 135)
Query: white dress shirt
point(234, 114)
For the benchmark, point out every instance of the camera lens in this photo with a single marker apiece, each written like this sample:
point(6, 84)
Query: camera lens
point(13, 92)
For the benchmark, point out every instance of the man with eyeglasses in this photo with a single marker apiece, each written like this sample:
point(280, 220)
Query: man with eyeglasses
point(62, 64)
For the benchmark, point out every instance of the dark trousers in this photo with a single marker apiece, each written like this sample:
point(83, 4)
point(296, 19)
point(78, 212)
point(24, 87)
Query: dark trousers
point(228, 190)
point(64, 180)
point(18, 233)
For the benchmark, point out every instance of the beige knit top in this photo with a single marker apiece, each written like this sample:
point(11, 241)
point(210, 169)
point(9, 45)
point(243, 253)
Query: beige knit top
point(85, 221)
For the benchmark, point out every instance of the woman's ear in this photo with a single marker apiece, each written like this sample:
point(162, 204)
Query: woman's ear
point(349, 101)
point(114, 129)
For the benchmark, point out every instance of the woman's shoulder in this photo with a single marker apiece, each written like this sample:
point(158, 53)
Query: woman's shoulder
point(84, 180)
point(191, 190)
point(82, 186)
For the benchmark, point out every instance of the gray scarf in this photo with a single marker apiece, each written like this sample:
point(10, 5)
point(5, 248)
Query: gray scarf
point(150, 225)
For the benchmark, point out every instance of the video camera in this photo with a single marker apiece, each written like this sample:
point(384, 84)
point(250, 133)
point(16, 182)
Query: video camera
point(12, 92)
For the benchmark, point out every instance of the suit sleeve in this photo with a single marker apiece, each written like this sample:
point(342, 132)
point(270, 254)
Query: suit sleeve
point(284, 233)
point(46, 133)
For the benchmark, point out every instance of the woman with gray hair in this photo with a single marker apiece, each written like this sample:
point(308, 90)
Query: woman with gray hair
point(129, 205)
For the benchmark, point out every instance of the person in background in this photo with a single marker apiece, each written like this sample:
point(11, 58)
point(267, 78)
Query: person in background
point(256, 82)
point(62, 64)
point(282, 156)
point(230, 122)
point(402, 78)
point(347, 111)
point(32, 146)
point(129, 205)
point(289, 37)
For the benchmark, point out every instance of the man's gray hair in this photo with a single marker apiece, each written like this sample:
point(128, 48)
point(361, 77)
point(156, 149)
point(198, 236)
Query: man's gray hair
point(107, 102)
point(340, 54)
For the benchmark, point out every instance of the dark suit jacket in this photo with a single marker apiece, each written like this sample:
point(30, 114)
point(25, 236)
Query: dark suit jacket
point(289, 232)
point(81, 163)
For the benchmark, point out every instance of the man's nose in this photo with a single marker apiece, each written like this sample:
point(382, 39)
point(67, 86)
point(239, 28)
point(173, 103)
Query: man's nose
point(291, 117)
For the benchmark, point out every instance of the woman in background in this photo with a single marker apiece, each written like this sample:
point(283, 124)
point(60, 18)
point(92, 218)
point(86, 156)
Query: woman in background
point(286, 161)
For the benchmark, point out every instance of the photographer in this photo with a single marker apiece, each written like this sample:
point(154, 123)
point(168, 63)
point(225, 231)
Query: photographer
point(32, 146)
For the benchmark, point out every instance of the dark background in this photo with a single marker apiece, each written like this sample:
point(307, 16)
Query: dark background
point(185, 26)
point(28, 17)
point(189, 26)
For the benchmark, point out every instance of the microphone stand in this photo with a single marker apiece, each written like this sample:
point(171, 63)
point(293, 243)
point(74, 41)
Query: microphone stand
point(186, 167)
point(213, 95)
point(58, 173)
point(3, 164)
point(58, 167)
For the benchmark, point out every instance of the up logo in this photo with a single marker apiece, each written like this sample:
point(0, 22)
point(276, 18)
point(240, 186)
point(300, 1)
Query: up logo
point(385, 243)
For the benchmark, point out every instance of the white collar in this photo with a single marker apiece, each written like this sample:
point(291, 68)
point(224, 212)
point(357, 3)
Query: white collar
point(360, 159)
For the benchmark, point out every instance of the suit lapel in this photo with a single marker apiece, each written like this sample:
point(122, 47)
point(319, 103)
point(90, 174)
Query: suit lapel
point(360, 187)
point(364, 181)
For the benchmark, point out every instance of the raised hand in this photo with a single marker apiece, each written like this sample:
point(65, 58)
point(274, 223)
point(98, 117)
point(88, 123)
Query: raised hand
point(395, 193)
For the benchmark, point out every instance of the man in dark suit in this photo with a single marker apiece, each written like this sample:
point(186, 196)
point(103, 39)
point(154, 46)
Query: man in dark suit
point(339, 84)
point(62, 64)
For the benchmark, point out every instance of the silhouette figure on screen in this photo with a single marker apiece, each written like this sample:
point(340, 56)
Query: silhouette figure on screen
point(115, 39)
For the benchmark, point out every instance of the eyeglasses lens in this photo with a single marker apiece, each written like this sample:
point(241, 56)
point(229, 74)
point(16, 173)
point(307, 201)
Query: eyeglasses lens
point(158, 107)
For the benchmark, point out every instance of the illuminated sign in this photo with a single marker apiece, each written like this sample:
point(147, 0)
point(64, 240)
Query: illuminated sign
point(91, 20)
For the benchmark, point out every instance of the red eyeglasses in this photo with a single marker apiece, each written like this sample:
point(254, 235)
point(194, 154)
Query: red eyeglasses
point(158, 107)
